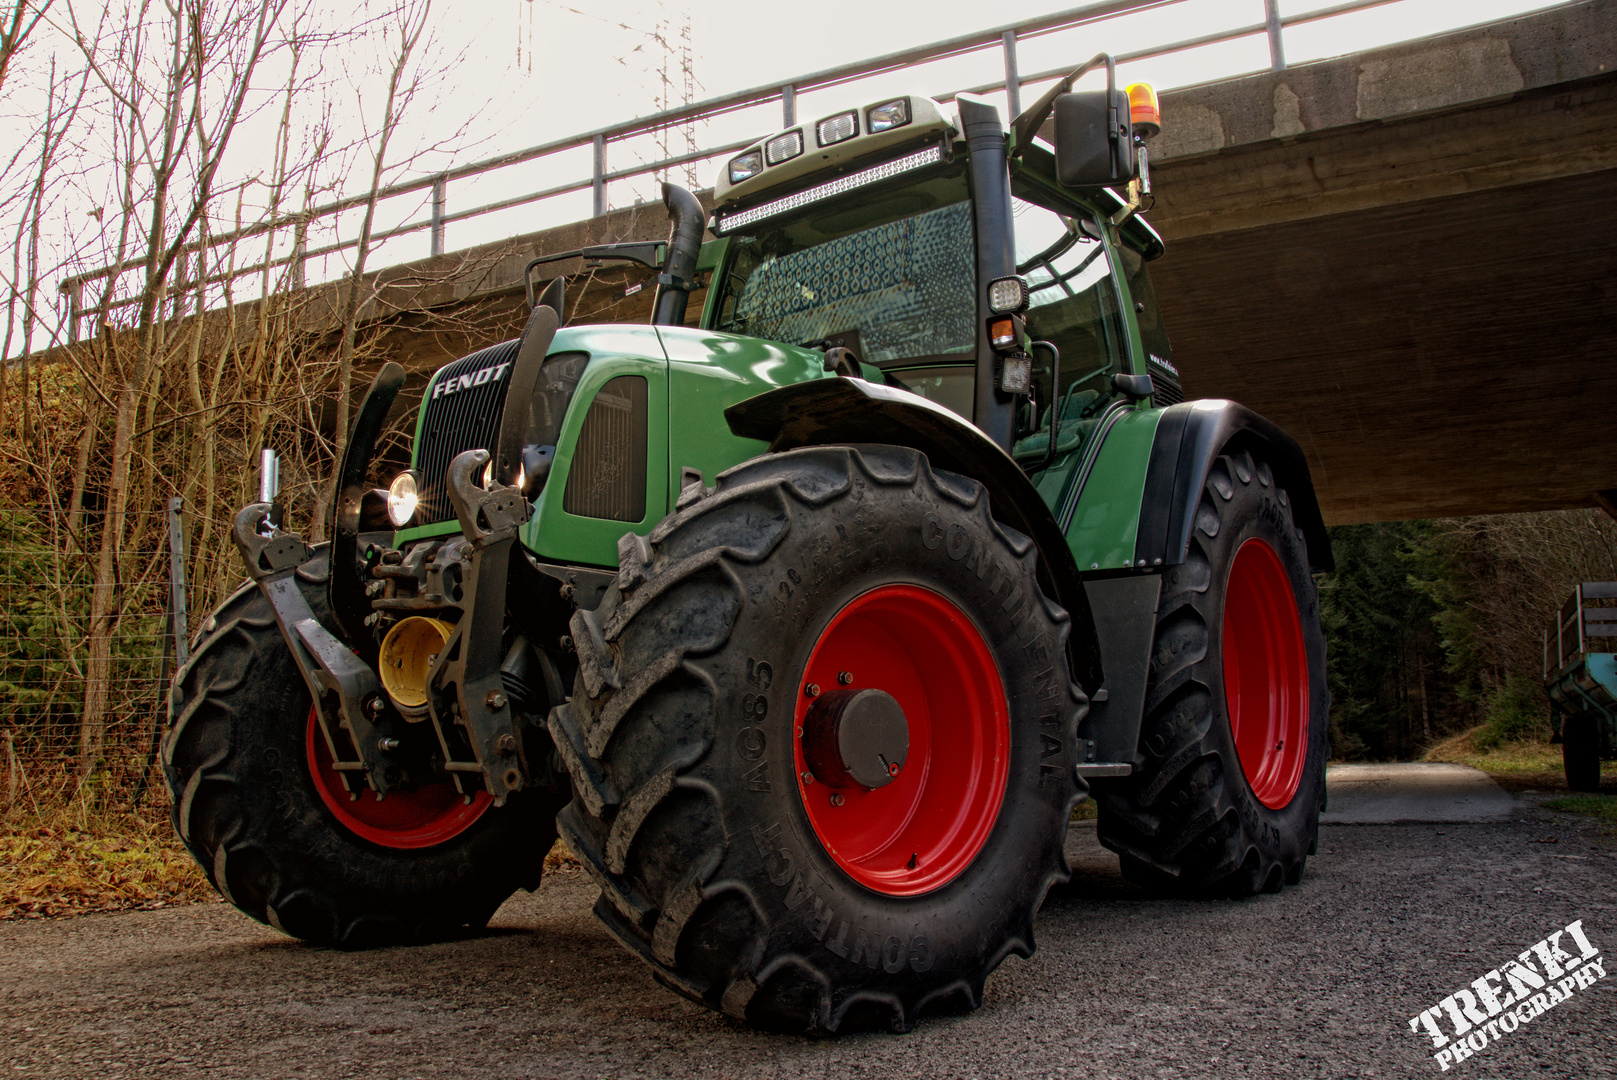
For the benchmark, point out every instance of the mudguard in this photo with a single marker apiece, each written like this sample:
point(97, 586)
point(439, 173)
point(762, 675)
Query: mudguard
point(1189, 439)
point(839, 410)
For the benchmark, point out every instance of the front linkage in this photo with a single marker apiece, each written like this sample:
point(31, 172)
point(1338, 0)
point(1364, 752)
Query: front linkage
point(465, 685)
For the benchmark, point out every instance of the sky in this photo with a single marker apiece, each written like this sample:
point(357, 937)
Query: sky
point(501, 75)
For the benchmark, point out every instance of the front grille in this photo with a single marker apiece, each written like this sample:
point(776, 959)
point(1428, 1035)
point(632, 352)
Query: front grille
point(608, 477)
point(461, 413)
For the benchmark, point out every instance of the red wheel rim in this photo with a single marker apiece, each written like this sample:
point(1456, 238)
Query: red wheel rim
point(431, 814)
point(918, 832)
point(1265, 674)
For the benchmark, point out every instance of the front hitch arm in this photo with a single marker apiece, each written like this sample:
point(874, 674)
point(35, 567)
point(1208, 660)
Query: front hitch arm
point(470, 669)
point(343, 686)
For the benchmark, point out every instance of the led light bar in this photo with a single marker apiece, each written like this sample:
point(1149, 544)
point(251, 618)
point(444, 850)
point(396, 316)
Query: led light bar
point(931, 155)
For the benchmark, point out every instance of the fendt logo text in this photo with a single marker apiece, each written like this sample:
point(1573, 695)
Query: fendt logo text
point(450, 385)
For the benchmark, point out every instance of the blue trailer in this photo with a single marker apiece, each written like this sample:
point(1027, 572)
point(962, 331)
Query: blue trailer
point(1580, 676)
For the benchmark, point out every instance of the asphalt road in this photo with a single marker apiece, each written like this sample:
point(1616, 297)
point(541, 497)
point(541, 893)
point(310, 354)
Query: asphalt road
point(1319, 981)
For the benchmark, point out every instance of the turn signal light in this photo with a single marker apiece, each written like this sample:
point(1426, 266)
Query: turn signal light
point(1145, 115)
point(1002, 332)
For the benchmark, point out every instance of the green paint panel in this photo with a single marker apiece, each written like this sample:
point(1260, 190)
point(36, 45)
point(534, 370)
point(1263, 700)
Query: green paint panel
point(709, 371)
point(1108, 517)
point(552, 533)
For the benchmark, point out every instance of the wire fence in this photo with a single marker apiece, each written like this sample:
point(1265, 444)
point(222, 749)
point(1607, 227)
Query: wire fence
point(49, 683)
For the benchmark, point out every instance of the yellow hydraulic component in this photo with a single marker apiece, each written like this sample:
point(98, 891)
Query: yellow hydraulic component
point(408, 653)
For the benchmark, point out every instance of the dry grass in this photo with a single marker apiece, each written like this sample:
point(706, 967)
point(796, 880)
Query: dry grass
point(1603, 807)
point(1516, 765)
point(68, 863)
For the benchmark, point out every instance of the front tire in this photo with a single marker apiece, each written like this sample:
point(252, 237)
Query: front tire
point(256, 802)
point(703, 812)
point(1229, 776)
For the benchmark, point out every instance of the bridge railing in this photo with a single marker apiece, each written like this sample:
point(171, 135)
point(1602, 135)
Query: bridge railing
point(198, 270)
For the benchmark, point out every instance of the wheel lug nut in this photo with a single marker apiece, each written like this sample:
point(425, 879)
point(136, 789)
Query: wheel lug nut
point(806, 776)
point(812, 689)
point(836, 799)
point(844, 677)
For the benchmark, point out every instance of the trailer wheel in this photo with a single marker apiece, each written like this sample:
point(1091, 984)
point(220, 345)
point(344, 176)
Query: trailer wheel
point(256, 801)
point(821, 742)
point(1230, 772)
point(1580, 753)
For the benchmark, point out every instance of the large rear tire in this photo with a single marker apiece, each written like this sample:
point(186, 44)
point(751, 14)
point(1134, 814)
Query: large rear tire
point(1580, 753)
point(256, 802)
point(725, 860)
point(1229, 776)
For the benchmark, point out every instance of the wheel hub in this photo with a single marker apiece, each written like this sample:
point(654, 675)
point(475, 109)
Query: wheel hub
point(902, 762)
point(856, 737)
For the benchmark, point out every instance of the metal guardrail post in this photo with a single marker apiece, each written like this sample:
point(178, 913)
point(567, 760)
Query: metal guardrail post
point(1277, 48)
point(1013, 82)
point(177, 289)
point(176, 582)
point(440, 204)
point(199, 278)
point(300, 244)
point(75, 308)
point(598, 182)
point(788, 105)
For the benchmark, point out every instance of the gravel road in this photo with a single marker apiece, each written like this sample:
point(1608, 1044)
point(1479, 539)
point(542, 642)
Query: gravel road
point(1319, 981)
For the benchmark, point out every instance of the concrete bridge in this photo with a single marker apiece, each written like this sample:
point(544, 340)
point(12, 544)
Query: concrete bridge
point(1406, 257)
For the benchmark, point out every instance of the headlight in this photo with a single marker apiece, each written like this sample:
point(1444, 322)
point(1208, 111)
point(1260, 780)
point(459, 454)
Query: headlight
point(835, 129)
point(783, 147)
point(888, 115)
point(746, 166)
point(1007, 295)
point(402, 499)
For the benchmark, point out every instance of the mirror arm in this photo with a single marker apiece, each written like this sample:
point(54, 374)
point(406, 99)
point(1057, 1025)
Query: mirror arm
point(1025, 126)
point(1139, 188)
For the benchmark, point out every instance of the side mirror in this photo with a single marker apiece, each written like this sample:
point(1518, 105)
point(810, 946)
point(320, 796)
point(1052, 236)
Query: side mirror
point(1094, 144)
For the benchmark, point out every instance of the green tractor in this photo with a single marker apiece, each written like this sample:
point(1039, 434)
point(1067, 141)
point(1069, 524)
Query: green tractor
point(807, 619)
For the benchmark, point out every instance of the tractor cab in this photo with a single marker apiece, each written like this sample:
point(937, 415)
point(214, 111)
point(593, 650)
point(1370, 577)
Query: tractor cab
point(858, 235)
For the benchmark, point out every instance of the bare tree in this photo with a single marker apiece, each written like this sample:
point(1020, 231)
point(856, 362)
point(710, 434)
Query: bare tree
point(16, 26)
point(211, 44)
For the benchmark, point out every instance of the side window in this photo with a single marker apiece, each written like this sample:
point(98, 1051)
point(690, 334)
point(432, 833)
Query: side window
point(608, 474)
point(1153, 334)
point(1073, 304)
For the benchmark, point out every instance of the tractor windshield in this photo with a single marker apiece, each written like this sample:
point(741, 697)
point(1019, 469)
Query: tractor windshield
point(888, 272)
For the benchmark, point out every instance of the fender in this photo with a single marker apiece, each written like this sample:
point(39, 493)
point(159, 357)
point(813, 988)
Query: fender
point(1189, 439)
point(841, 410)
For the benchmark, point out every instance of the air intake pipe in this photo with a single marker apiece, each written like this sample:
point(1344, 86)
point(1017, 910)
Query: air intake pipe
point(678, 278)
